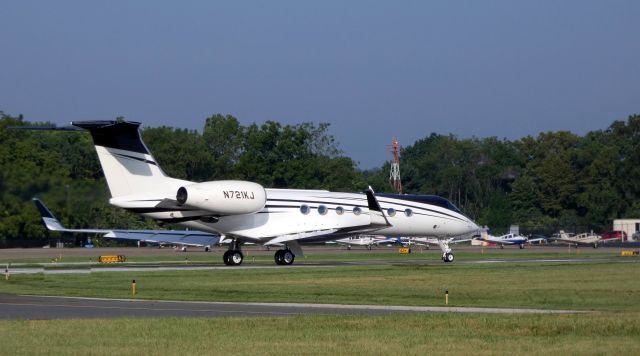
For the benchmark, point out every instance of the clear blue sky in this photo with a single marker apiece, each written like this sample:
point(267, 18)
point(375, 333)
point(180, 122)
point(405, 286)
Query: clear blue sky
point(373, 69)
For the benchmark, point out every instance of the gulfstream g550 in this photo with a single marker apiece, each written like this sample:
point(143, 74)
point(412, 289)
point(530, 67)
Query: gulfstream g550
point(247, 212)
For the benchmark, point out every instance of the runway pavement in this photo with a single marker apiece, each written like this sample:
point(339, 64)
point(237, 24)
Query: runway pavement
point(45, 307)
point(158, 266)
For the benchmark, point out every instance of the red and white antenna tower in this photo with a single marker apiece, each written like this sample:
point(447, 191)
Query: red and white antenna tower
point(394, 174)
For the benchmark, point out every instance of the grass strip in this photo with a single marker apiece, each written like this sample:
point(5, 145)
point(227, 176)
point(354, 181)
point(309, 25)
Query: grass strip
point(600, 333)
point(585, 286)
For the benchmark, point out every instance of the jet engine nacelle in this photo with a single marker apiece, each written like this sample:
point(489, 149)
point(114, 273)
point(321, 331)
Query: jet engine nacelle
point(224, 197)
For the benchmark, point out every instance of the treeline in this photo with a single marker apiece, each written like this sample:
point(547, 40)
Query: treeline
point(554, 179)
point(62, 168)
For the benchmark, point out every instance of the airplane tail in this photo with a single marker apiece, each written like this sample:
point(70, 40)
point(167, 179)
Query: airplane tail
point(48, 219)
point(126, 162)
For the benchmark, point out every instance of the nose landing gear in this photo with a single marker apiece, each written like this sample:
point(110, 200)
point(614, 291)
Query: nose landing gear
point(447, 256)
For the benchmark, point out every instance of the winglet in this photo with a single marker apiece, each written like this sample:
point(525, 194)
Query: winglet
point(48, 219)
point(374, 205)
point(372, 201)
point(44, 211)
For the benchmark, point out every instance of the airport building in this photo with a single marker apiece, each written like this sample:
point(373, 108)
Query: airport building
point(629, 226)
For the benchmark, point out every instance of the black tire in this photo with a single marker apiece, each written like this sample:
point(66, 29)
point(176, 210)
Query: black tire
point(226, 259)
point(278, 257)
point(449, 257)
point(287, 257)
point(236, 257)
point(521, 246)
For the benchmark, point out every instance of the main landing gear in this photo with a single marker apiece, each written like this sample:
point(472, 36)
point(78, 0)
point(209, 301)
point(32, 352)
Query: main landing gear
point(447, 255)
point(284, 257)
point(233, 256)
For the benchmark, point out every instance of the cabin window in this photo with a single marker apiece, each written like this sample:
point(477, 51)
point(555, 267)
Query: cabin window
point(304, 208)
point(391, 212)
point(339, 210)
point(322, 209)
point(408, 212)
point(357, 211)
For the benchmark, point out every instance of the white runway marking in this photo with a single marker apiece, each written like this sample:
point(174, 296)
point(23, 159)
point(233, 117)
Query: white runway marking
point(155, 268)
point(53, 307)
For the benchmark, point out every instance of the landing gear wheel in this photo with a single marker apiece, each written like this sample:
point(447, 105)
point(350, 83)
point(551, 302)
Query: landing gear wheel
point(369, 247)
point(284, 257)
point(288, 257)
point(233, 257)
point(278, 257)
point(448, 257)
point(236, 257)
point(521, 247)
point(226, 259)
point(501, 247)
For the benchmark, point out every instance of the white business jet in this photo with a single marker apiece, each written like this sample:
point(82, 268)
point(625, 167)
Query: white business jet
point(246, 212)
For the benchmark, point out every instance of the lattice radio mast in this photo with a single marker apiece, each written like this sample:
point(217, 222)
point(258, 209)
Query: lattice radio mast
point(394, 174)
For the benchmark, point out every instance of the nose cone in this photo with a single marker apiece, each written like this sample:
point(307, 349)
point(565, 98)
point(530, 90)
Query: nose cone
point(471, 227)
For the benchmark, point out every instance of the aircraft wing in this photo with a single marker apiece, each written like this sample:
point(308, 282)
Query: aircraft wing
point(434, 241)
point(389, 240)
point(568, 240)
point(378, 221)
point(175, 237)
point(496, 241)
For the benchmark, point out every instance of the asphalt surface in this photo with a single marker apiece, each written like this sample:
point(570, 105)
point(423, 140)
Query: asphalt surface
point(71, 268)
point(44, 307)
point(216, 252)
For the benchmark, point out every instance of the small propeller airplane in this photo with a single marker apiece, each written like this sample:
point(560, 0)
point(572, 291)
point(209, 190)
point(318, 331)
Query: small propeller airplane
point(507, 239)
point(587, 238)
